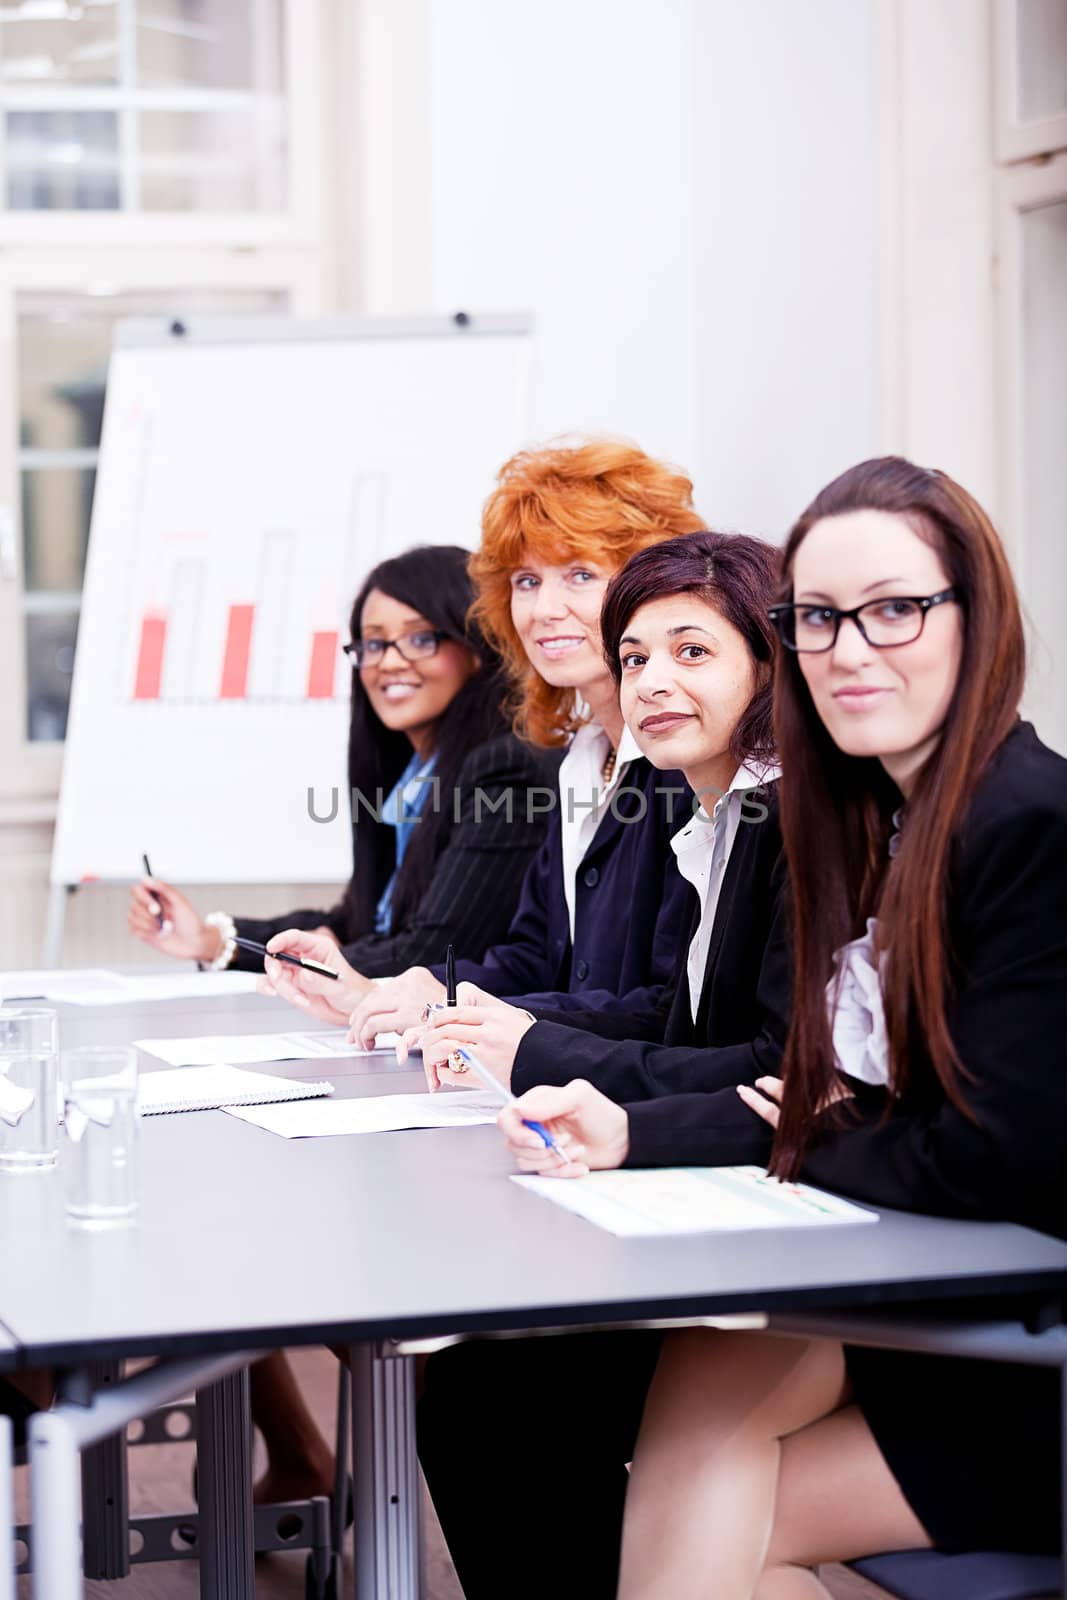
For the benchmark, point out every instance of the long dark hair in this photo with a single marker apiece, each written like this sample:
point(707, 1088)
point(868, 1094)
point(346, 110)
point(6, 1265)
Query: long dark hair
point(432, 580)
point(836, 809)
point(730, 571)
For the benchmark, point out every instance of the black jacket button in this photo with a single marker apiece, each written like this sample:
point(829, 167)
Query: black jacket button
point(582, 971)
point(591, 877)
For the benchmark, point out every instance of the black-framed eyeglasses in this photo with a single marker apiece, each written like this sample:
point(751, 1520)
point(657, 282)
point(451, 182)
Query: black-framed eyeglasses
point(415, 646)
point(895, 619)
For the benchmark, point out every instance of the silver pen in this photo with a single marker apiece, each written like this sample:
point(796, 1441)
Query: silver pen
point(506, 1098)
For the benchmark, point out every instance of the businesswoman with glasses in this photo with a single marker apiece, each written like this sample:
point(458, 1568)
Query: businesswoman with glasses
point(925, 831)
point(440, 790)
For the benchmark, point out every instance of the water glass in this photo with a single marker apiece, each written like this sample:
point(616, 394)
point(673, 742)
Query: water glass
point(28, 1127)
point(99, 1089)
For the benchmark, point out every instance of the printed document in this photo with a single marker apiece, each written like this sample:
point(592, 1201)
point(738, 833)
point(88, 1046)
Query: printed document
point(377, 1113)
point(242, 1048)
point(694, 1200)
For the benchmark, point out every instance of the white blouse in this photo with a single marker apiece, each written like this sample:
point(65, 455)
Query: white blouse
point(857, 1015)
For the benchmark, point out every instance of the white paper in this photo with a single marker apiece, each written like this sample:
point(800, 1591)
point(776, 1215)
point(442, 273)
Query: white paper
point(96, 987)
point(179, 985)
point(668, 1200)
point(71, 984)
point(250, 1047)
point(384, 1113)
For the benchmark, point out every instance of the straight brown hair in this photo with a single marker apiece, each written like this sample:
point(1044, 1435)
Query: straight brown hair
point(836, 810)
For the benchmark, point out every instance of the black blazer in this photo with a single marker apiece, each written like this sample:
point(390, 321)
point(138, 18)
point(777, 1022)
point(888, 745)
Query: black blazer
point(740, 1025)
point(1007, 921)
point(482, 858)
point(629, 908)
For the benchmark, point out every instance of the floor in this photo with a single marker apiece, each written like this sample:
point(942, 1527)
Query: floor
point(161, 1479)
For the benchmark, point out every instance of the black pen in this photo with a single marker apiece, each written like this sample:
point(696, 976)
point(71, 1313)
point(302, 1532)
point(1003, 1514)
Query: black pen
point(258, 949)
point(450, 977)
point(159, 909)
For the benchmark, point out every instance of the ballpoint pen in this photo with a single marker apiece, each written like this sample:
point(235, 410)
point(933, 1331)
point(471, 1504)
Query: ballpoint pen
point(506, 1098)
point(159, 909)
point(258, 949)
point(450, 999)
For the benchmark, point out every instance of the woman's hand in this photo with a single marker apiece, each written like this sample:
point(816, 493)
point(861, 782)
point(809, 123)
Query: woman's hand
point(394, 1006)
point(765, 1098)
point(466, 994)
point(489, 1026)
point(327, 1000)
point(591, 1129)
point(184, 932)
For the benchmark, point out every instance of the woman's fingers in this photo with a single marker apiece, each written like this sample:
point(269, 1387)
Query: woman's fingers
point(440, 1042)
point(474, 1016)
point(410, 1039)
point(769, 1110)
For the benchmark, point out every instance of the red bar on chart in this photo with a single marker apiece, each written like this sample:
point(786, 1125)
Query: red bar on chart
point(150, 656)
point(323, 667)
point(236, 654)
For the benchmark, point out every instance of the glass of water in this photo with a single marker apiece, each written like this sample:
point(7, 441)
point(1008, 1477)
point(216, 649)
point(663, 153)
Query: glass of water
point(28, 1128)
point(99, 1088)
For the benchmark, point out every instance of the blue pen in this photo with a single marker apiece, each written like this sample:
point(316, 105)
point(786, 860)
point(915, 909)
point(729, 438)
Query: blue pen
point(506, 1098)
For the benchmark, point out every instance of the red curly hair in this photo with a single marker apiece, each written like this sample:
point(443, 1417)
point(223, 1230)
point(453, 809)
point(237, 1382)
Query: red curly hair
point(597, 501)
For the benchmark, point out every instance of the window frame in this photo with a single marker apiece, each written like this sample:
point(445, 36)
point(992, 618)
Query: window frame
point(31, 768)
point(1020, 190)
point(82, 253)
point(1015, 140)
point(304, 51)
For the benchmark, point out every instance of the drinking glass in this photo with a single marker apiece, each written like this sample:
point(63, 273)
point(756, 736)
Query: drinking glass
point(99, 1089)
point(28, 1128)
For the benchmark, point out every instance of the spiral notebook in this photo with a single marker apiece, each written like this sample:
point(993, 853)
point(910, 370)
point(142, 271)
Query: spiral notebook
point(211, 1088)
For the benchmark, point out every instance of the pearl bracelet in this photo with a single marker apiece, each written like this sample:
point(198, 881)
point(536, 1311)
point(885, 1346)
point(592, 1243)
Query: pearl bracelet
point(228, 932)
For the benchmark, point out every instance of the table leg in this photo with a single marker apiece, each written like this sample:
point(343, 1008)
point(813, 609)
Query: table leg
point(387, 1539)
point(7, 1511)
point(224, 1464)
point(105, 1494)
point(55, 1506)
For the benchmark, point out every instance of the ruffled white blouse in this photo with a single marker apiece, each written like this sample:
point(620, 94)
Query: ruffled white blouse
point(857, 1015)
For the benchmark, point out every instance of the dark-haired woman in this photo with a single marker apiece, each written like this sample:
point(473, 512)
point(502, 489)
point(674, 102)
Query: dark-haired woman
point(686, 633)
point(922, 1067)
point(427, 733)
point(686, 629)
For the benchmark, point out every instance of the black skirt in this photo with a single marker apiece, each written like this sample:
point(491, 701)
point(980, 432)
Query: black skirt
point(974, 1445)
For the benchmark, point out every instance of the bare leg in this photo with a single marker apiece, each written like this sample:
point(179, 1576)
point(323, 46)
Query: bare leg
point(701, 1500)
point(299, 1461)
point(837, 1500)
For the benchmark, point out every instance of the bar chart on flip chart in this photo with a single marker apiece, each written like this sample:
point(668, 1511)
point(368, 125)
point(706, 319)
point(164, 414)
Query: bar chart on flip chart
point(258, 618)
point(250, 477)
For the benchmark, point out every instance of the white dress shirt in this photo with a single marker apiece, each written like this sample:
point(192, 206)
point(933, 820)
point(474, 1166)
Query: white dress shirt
point(703, 849)
point(584, 797)
point(857, 1014)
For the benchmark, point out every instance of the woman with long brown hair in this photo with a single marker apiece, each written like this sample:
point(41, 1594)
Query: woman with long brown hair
point(925, 828)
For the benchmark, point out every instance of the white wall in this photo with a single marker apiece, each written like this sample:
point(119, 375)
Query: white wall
point(562, 181)
point(787, 239)
point(684, 192)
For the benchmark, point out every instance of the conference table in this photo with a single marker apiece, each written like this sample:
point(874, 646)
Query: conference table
point(246, 1242)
